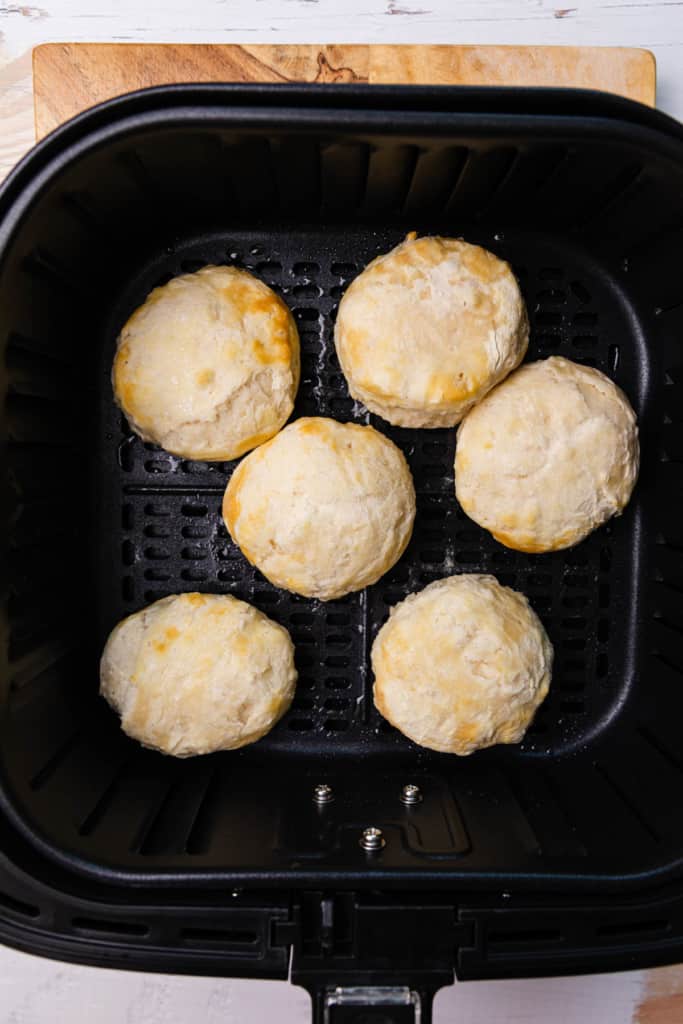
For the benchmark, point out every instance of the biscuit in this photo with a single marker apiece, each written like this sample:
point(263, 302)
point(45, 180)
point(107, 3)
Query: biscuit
point(427, 329)
point(323, 509)
point(548, 456)
point(461, 665)
point(195, 673)
point(208, 366)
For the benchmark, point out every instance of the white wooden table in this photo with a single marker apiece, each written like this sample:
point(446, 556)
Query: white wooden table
point(35, 991)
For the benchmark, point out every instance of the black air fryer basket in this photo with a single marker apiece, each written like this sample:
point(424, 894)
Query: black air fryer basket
point(559, 855)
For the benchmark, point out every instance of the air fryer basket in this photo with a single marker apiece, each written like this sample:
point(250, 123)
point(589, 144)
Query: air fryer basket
point(561, 854)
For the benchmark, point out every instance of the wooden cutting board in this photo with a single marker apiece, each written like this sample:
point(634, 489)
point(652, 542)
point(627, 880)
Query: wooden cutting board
point(68, 77)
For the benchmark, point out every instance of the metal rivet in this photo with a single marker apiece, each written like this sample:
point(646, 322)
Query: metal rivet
point(411, 794)
point(322, 793)
point(372, 839)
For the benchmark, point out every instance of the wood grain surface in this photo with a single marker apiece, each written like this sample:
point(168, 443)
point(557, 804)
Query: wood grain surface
point(68, 77)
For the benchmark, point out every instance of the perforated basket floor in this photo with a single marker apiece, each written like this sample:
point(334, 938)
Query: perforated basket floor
point(166, 533)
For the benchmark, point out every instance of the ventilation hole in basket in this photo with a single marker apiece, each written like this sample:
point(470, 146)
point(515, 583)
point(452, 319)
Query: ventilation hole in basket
point(100, 927)
point(468, 557)
point(336, 291)
point(604, 595)
point(156, 553)
point(156, 576)
point(305, 682)
point(336, 703)
point(553, 295)
point(337, 683)
point(574, 643)
point(579, 580)
point(601, 665)
point(156, 532)
point(338, 640)
point(194, 575)
point(305, 313)
point(302, 638)
point(551, 341)
point(588, 362)
point(307, 291)
point(225, 936)
point(574, 664)
point(336, 725)
point(15, 906)
point(127, 588)
point(302, 704)
point(337, 619)
point(580, 291)
point(545, 319)
point(305, 269)
point(431, 556)
point(576, 557)
point(344, 270)
point(194, 510)
point(573, 622)
point(302, 618)
point(574, 601)
point(265, 596)
point(550, 274)
point(226, 554)
point(160, 511)
point(337, 661)
point(195, 532)
point(127, 517)
point(309, 340)
point(300, 725)
point(194, 553)
point(128, 552)
point(585, 319)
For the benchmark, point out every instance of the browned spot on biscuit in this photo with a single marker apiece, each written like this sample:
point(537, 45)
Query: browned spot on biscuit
point(528, 544)
point(170, 634)
point(481, 263)
point(205, 377)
